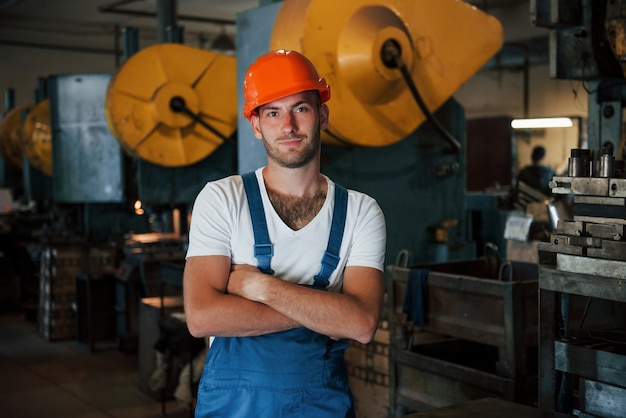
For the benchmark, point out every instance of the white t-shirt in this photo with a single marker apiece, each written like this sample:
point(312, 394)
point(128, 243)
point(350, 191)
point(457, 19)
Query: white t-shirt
point(221, 225)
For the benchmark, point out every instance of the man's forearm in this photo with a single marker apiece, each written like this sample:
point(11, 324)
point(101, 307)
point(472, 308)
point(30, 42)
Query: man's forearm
point(337, 315)
point(234, 316)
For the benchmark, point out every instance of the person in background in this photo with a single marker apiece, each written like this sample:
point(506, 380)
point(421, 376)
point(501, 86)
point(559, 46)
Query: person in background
point(537, 175)
point(284, 266)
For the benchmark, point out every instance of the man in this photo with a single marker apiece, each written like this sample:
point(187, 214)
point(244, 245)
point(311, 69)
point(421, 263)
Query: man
point(537, 175)
point(254, 276)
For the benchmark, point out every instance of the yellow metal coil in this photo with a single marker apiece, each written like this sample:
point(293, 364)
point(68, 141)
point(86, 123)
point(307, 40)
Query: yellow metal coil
point(37, 137)
point(11, 135)
point(443, 43)
point(138, 103)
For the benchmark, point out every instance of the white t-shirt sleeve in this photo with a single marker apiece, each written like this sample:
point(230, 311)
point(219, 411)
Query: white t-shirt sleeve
point(368, 241)
point(211, 224)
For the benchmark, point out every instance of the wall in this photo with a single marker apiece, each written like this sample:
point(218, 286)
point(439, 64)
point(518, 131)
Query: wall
point(21, 67)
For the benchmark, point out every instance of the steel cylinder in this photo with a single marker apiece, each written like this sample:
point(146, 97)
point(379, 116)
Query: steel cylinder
point(607, 163)
point(576, 166)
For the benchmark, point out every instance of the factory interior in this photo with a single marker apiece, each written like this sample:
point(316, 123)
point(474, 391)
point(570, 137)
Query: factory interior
point(501, 298)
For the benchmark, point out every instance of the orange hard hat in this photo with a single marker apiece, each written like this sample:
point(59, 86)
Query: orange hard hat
point(278, 74)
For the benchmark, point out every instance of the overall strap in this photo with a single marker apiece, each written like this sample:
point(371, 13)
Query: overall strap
point(330, 260)
point(263, 248)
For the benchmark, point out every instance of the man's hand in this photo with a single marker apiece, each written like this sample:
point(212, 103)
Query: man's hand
point(359, 304)
point(245, 281)
point(211, 310)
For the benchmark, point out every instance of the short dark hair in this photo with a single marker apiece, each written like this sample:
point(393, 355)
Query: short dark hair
point(538, 153)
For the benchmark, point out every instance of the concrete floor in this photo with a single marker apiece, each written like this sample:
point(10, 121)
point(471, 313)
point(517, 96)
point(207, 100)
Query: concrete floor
point(63, 379)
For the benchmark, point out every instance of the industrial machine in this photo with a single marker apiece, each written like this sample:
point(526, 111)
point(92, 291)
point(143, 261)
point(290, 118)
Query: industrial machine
point(177, 113)
point(583, 314)
point(380, 58)
point(582, 348)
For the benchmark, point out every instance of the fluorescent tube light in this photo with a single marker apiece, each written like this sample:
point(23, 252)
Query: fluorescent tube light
point(542, 123)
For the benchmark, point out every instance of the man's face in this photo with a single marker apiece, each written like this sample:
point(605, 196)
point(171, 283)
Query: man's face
point(290, 128)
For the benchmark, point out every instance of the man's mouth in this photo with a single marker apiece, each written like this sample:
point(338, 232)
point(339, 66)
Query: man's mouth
point(290, 140)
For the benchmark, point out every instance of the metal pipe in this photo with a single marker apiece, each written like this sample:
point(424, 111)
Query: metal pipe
point(166, 18)
point(131, 41)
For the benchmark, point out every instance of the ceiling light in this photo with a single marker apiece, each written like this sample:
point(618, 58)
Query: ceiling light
point(542, 123)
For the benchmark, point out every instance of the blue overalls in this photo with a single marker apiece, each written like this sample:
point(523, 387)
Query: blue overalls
point(294, 373)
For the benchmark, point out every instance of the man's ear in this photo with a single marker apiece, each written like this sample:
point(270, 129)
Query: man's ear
point(256, 128)
point(324, 114)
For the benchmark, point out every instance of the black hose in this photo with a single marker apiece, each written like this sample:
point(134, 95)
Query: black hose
point(178, 105)
point(392, 58)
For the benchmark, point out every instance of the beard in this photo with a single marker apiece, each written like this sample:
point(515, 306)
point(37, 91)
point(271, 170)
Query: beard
point(291, 159)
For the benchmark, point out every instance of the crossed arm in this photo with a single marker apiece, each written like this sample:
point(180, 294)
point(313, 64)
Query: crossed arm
point(239, 300)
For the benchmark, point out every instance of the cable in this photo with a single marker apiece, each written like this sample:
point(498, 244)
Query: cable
point(392, 58)
point(178, 105)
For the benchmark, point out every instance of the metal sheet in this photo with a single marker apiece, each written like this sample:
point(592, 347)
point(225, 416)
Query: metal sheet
point(86, 158)
point(593, 266)
point(599, 219)
point(592, 186)
point(606, 231)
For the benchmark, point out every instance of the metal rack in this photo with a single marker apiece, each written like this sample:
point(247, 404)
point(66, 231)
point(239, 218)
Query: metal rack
point(481, 324)
point(582, 369)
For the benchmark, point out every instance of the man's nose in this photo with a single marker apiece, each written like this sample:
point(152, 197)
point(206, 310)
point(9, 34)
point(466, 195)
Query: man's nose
point(288, 122)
